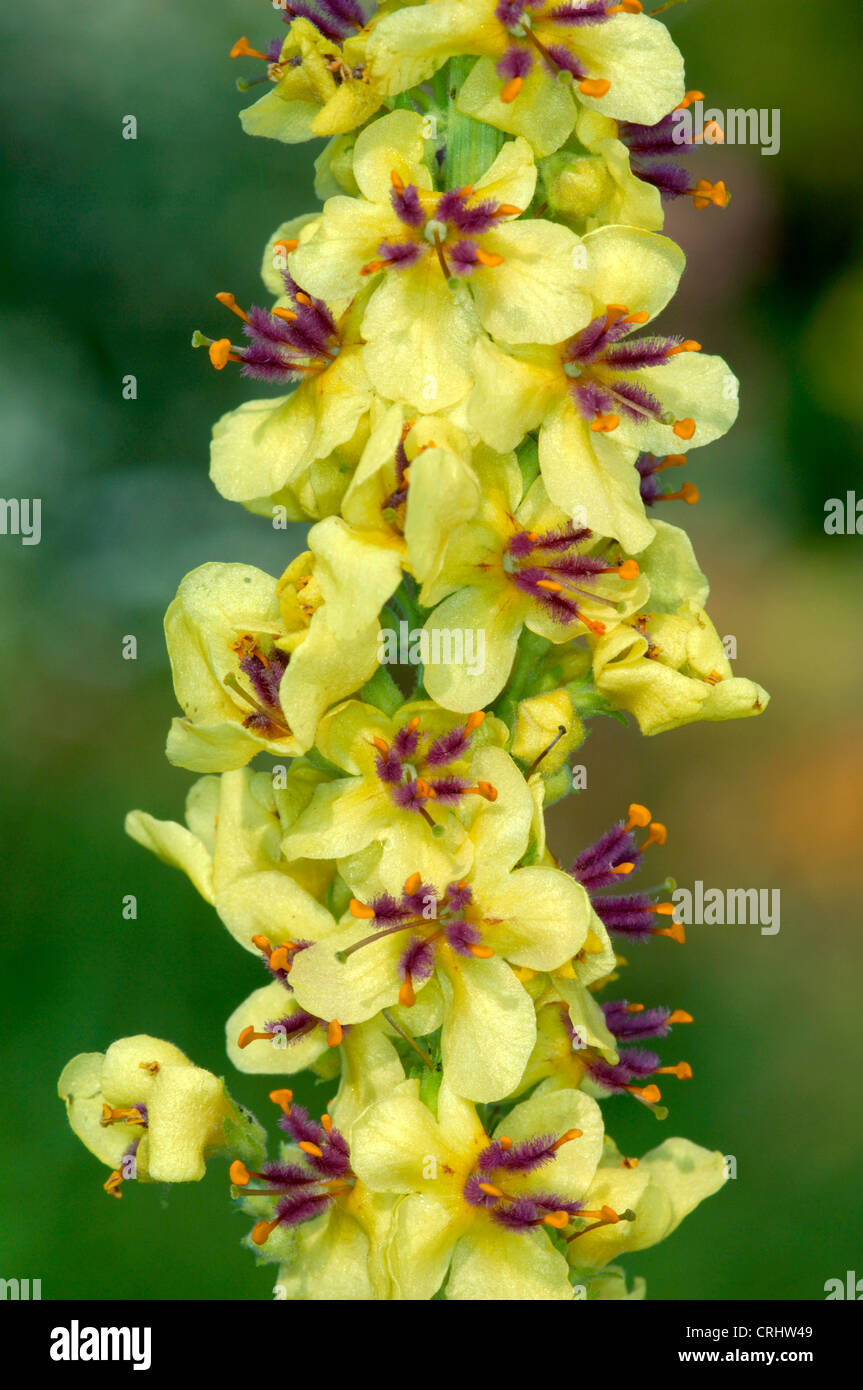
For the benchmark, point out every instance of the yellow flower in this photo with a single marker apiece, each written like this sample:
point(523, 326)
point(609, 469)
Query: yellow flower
point(532, 54)
point(445, 265)
point(601, 398)
point(257, 661)
point(144, 1109)
point(519, 562)
point(325, 1229)
point(463, 932)
point(476, 1209)
point(294, 451)
point(406, 785)
point(659, 1190)
point(321, 83)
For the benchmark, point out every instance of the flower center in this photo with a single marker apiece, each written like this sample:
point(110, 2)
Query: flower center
point(431, 917)
point(264, 664)
point(552, 569)
point(304, 1189)
point(416, 769)
point(547, 36)
point(493, 1184)
point(447, 225)
point(604, 372)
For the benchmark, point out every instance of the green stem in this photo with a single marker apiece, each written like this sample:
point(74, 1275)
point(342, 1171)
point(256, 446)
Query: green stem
point(471, 146)
point(531, 650)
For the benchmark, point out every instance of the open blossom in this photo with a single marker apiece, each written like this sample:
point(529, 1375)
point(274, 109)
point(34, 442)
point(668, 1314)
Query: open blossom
point(408, 783)
point(607, 394)
point(476, 1209)
point(290, 450)
point(445, 264)
point(465, 933)
point(521, 562)
point(609, 55)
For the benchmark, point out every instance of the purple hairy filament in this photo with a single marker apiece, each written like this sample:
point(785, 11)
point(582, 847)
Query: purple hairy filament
point(654, 151)
point(604, 371)
point(447, 225)
point(285, 344)
point(334, 19)
point(501, 1164)
point(546, 32)
point(417, 769)
point(617, 855)
point(452, 917)
point(304, 1189)
point(551, 569)
point(264, 671)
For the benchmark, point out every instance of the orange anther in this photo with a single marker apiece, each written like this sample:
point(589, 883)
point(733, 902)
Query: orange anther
point(239, 1173)
point(688, 345)
point(487, 790)
point(679, 1016)
point(412, 884)
point(280, 959)
point(474, 720)
point(638, 815)
point(651, 1094)
point(510, 90)
point(407, 997)
point(381, 745)
point(361, 910)
point(604, 424)
point(228, 300)
point(287, 246)
point(675, 932)
point(490, 1189)
point(628, 570)
point(326, 1123)
point(282, 1099)
point(335, 1033)
point(559, 1220)
point(594, 87)
point(242, 49)
point(488, 258)
point(311, 1149)
point(261, 1231)
point(220, 353)
point(684, 429)
point(480, 952)
point(262, 943)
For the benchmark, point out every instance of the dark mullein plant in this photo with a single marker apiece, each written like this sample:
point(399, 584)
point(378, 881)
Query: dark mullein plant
point(475, 420)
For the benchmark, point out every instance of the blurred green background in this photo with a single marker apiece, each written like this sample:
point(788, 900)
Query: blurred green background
point(114, 251)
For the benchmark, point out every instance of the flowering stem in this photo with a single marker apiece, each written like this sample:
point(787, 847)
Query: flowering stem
point(471, 146)
point(531, 650)
point(412, 1042)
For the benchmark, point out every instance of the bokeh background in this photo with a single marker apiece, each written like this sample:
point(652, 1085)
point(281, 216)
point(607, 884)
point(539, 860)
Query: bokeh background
point(114, 250)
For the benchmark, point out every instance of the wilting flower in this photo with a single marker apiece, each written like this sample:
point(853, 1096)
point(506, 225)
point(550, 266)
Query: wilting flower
point(148, 1112)
point(477, 1209)
point(445, 264)
point(659, 1189)
point(670, 669)
point(321, 83)
point(465, 933)
point(532, 53)
point(603, 397)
